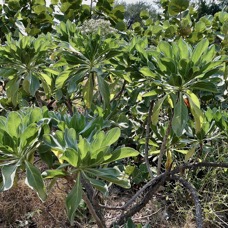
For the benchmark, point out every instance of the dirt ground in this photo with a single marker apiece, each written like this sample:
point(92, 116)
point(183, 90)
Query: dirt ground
point(21, 207)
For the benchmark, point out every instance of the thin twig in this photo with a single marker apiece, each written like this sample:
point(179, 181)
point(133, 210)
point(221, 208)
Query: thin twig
point(175, 171)
point(120, 92)
point(153, 182)
point(110, 208)
point(92, 197)
point(163, 146)
point(93, 212)
point(192, 190)
point(147, 216)
point(68, 103)
point(146, 156)
point(136, 208)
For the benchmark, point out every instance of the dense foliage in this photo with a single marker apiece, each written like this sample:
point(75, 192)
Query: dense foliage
point(85, 94)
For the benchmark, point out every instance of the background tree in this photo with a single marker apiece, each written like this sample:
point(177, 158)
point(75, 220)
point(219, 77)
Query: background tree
point(133, 10)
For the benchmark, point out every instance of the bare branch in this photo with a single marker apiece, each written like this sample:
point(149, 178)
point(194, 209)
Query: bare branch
point(192, 190)
point(93, 212)
point(136, 208)
point(146, 156)
point(163, 146)
point(120, 92)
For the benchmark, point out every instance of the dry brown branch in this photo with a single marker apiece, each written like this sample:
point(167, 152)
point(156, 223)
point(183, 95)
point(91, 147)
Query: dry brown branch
point(192, 190)
point(136, 208)
point(146, 156)
point(153, 186)
point(99, 222)
point(120, 92)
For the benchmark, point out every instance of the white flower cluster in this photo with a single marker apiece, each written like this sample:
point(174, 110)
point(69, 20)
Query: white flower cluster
point(92, 26)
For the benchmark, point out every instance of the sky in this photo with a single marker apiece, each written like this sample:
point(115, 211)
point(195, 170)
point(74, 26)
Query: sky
point(134, 1)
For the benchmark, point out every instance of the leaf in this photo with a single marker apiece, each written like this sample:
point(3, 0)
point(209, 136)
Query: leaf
point(157, 109)
point(184, 49)
point(165, 48)
point(71, 156)
point(205, 86)
point(177, 6)
point(13, 123)
point(12, 90)
point(111, 136)
point(147, 72)
point(34, 84)
point(195, 110)
point(54, 173)
point(190, 153)
point(34, 180)
point(180, 117)
point(8, 174)
point(121, 153)
point(73, 200)
point(88, 92)
point(61, 79)
point(200, 48)
point(98, 184)
point(169, 161)
point(83, 146)
point(104, 90)
point(112, 175)
point(29, 135)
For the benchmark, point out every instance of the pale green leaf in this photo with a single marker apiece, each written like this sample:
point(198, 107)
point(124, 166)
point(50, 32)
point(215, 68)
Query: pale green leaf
point(35, 181)
point(200, 48)
point(157, 109)
point(8, 175)
point(180, 117)
point(73, 200)
point(121, 153)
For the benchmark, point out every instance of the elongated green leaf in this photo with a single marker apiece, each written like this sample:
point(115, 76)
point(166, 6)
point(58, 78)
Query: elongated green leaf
point(99, 185)
point(111, 137)
point(195, 110)
point(73, 199)
point(180, 117)
point(209, 55)
point(71, 156)
point(147, 72)
point(8, 174)
point(61, 79)
point(34, 84)
point(189, 154)
point(165, 49)
point(177, 6)
point(88, 92)
point(157, 109)
point(104, 90)
point(70, 138)
point(205, 86)
point(13, 123)
point(200, 48)
point(53, 173)
point(84, 147)
point(121, 153)
point(34, 180)
point(112, 175)
point(29, 136)
point(184, 49)
point(12, 90)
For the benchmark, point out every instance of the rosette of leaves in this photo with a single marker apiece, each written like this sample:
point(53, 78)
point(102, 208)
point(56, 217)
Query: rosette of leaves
point(25, 66)
point(87, 67)
point(87, 158)
point(19, 140)
point(180, 73)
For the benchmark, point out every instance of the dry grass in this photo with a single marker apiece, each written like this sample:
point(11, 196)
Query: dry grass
point(20, 207)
